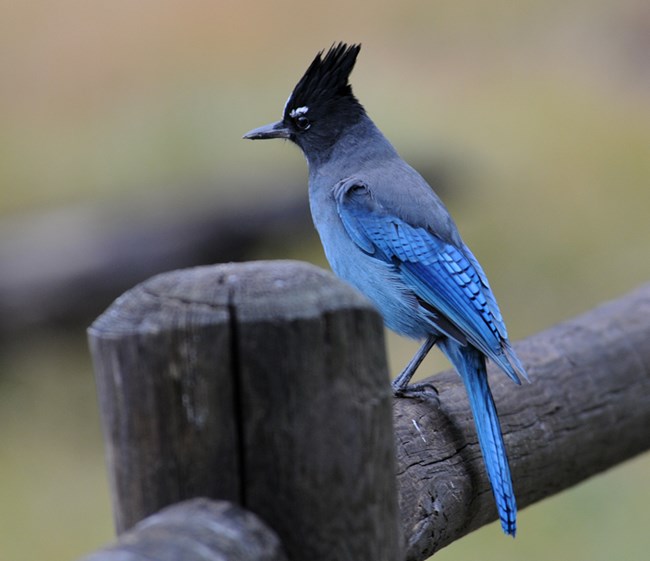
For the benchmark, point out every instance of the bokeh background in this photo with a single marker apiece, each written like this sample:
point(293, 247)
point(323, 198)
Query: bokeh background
point(120, 132)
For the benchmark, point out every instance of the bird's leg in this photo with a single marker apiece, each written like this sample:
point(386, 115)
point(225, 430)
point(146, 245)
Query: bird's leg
point(400, 383)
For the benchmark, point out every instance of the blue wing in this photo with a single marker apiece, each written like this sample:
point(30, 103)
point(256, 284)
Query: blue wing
point(443, 275)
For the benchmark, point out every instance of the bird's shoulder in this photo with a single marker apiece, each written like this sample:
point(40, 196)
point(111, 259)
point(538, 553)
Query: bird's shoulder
point(395, 190)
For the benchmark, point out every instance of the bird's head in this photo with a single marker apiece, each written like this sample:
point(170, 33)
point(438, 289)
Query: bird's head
point(321, 106)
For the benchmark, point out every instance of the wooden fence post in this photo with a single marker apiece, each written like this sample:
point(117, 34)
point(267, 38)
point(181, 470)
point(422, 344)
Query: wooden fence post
point(261, 383)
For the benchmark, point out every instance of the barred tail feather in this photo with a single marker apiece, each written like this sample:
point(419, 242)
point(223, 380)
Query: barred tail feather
point(470, 364)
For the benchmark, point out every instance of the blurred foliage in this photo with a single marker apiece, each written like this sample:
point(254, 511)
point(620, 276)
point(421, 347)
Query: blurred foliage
point(538, 109)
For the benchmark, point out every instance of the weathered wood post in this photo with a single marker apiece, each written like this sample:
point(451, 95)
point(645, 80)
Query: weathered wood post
point(262, 383)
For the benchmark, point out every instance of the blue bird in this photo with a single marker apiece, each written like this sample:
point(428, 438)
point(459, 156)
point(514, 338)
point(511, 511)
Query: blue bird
point(386, 232)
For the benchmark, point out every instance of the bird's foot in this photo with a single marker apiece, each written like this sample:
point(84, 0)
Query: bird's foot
point(421, 389)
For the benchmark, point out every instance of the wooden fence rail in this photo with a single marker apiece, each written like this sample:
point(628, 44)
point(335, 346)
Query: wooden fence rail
point(197, 530)
point(265, 384)
point(586, 409)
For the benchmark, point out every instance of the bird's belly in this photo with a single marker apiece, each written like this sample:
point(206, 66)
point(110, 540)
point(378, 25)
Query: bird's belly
point(381, 284)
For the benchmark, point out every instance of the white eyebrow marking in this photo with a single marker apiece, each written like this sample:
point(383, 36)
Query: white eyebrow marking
point(298, 111)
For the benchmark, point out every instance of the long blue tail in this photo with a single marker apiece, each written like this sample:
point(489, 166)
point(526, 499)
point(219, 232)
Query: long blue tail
point(470, 364)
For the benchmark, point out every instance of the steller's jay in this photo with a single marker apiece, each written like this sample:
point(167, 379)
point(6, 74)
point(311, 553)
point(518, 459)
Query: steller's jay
point(387, 233)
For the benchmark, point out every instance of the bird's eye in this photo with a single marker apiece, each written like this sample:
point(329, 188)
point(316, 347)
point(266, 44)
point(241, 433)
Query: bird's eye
point(302, 122)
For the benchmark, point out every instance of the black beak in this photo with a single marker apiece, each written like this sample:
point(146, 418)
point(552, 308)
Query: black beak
point(272, 130)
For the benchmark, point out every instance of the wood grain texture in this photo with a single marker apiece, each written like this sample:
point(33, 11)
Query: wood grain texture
point(163, 366)
point(196, 530)
point(261, 383)
point(315, 393)
point(586, 410)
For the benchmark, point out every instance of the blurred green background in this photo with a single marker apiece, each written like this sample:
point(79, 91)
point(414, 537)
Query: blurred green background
point(535, 115)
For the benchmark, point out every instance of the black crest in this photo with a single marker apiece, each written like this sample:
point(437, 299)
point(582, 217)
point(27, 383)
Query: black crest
point(326, 79)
